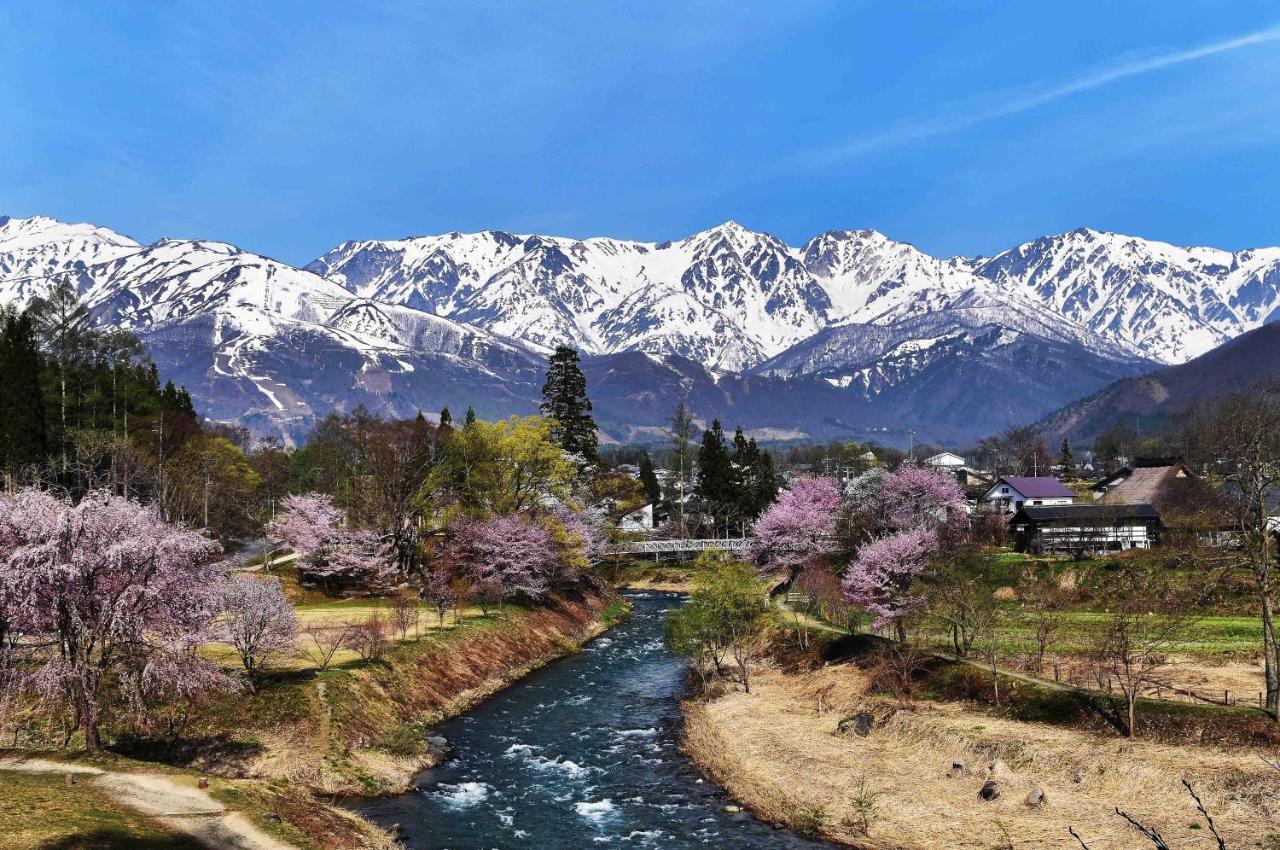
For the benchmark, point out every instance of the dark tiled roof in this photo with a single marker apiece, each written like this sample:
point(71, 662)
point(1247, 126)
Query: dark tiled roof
point(1043, 487)
point(1088, 513)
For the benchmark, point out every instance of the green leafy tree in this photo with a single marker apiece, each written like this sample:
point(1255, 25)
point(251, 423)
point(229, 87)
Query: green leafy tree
point(565, 401)
point(500, 467)
point(725, 617)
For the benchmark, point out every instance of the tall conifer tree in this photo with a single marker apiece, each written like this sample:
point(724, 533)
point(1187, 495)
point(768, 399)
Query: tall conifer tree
point(649, 480)
point(565, 401)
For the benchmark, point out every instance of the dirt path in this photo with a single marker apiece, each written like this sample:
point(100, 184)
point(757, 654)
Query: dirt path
point(179, 807)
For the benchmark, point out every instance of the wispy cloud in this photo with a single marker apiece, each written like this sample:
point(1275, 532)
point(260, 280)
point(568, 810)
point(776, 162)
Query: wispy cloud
point(954, 117)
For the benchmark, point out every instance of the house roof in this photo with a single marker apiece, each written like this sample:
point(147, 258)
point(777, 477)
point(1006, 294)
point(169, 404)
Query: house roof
point(1141, 485)
point(1041, 487)
point(1090, 513)
point(942, 456)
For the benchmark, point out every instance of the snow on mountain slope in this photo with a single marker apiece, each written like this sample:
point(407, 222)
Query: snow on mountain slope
point(1172, 303)
point(468, 318)
point(732, 298)
point(256, 339)
point(33, 248)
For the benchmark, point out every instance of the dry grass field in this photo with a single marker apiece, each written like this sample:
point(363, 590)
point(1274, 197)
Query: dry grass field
point(777, 753)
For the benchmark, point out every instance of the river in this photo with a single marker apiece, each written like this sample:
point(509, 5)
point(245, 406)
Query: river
point(582, 753)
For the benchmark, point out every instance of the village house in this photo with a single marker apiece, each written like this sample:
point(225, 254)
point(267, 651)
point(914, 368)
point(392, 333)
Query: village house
point(1010, 493)
point(1082, 530)
point(1143, 482)
point(945, 461)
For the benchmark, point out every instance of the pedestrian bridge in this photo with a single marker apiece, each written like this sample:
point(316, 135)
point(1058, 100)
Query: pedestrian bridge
point(663, 547)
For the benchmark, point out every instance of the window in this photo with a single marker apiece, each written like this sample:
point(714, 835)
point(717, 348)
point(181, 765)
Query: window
point(1004, 489)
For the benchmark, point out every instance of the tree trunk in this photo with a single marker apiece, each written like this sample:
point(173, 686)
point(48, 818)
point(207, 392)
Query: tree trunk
point(1270, 652)
point(1131, 697)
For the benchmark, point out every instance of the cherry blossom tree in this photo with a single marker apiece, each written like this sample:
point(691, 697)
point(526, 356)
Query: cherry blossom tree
point(309, 522)
point(881, 578)
point(257, 621)
point(330, 551)
point(916, 497)
point(120, 599)
point(513, 552)
point(583, 538)
point(798, 527)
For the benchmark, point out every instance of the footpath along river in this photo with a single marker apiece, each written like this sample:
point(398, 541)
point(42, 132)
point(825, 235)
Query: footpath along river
point(582, 753)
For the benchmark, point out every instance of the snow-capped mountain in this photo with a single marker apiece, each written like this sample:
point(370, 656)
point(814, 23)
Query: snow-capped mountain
point(1170, 303)
point(257, 340)
point(871, 332)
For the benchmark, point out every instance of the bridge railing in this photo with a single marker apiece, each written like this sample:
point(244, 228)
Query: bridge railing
point(657, 547)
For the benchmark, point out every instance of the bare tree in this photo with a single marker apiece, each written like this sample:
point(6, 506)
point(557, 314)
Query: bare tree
point(1240, 440)
point(324, 641)
point(404, 612)
point(369, 639)
point(1147, 621)
point(682, 430)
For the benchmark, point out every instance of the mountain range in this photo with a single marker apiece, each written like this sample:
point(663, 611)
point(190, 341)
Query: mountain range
point(850, 335)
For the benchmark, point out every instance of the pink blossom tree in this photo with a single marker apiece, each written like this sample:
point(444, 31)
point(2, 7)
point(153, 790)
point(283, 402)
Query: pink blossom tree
point(882, 577)
point(309, 523)
point(119, 600)
point(916, 497)
point(328, 549)
point(257, 621)
point(798, 527)
point(513, 552)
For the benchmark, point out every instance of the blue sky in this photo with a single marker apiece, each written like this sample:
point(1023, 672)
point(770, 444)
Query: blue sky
point(962, 127)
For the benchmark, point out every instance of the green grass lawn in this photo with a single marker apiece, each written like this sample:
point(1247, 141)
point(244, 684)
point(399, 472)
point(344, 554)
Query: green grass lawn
point(1209, 635)
point(42, 811)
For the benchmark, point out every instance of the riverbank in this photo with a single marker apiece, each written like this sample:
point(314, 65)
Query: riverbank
point(362, 729)
point(283, 754)
point(780, 751)
point(582, 753)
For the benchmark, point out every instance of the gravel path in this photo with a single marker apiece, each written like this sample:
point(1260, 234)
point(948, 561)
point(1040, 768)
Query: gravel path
point(179, 807)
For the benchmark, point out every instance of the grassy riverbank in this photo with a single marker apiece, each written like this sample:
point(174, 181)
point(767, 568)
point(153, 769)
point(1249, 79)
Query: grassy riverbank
point(358, 728)
point(780, 750)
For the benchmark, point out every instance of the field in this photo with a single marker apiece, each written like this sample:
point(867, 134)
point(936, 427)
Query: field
point(778, 750)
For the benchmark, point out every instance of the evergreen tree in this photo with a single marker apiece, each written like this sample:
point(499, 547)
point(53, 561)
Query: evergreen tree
point(22, 415)
point(1067, 462)
point(566, 402)
point(471, 416)
point(446, 418)
point(715, 471)
point(649, 480)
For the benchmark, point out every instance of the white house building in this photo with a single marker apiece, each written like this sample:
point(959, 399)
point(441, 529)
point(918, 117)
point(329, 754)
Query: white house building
point(945, 460)
point(1012, 493)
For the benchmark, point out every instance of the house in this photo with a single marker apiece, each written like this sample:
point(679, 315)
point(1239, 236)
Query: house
point(1013, 492)
point(1085, 529)
point(1145, 481)
point(639, 521)
point(945, 461)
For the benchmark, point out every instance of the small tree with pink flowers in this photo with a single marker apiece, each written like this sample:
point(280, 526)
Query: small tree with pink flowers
point(258, 622)
point(916, 497)
point(798, 527)
point(115, 600)
point(882, 577)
